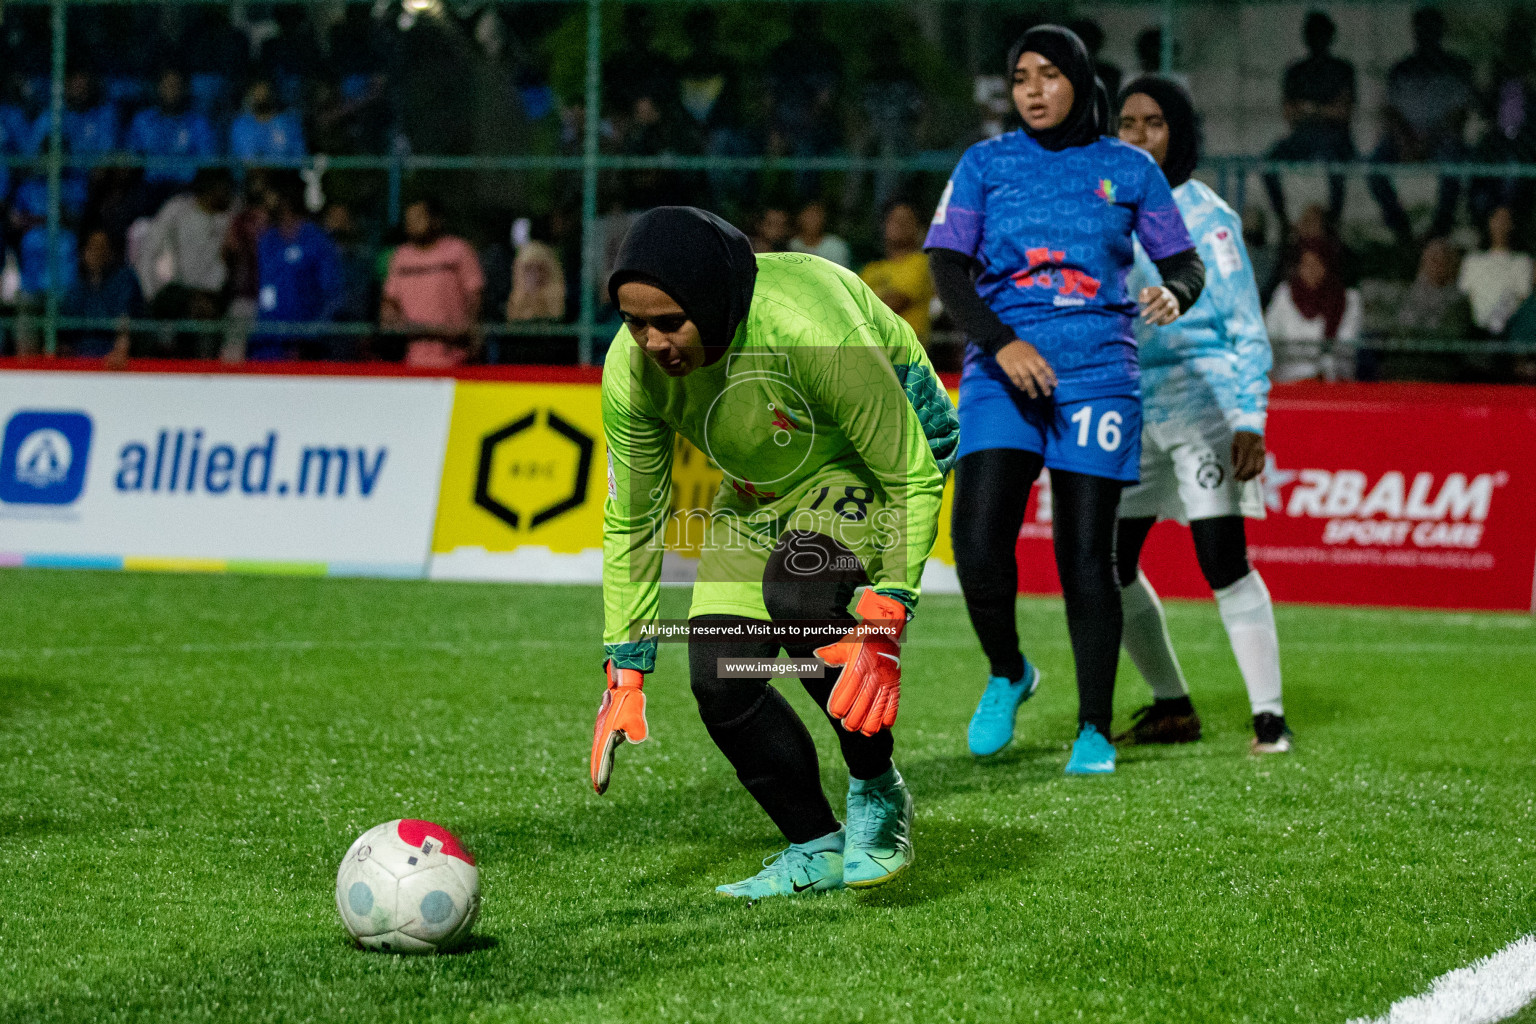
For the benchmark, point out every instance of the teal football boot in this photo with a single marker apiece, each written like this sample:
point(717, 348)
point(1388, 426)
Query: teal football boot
point(992, 725)
point(879, 830)
point(1092, 754)
point(815, 866)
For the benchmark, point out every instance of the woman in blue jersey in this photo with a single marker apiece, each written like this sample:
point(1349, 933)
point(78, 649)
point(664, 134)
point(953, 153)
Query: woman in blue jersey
point(1030, 248)
point(1205, 390)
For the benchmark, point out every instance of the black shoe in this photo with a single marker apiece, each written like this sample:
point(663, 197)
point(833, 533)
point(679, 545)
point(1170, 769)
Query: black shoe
point(1163, 721)
point(1270, 734)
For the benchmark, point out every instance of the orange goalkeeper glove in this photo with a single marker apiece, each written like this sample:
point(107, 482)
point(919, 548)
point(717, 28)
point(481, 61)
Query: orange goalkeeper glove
point(620, 717)
point(869, 690)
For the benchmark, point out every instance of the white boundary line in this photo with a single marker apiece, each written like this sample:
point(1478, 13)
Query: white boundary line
point(1491, 989)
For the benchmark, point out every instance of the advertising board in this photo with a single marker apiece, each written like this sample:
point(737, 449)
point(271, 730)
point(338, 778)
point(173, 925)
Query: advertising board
point(220, 472)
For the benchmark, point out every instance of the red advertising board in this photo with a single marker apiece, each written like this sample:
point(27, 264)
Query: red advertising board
point(1411, 495)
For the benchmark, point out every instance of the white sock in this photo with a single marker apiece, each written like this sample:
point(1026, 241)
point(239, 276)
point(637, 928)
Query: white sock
point(1145, 638)
point(1249, 616)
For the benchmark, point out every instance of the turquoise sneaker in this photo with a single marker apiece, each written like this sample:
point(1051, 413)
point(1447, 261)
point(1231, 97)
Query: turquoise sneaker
point(815, 866)
point(1092, 754)
point(992, 725)
point(879, 829)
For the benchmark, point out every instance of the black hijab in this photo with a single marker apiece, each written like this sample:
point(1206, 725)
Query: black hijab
point(1183, 128)
point(1089, 117)
point(703, 263)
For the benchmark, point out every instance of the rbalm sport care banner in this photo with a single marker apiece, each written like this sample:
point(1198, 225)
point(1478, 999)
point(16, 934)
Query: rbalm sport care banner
point(220, 472)
point(1408, 495)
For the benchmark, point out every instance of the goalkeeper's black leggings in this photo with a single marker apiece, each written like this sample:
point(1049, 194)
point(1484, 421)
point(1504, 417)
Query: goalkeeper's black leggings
point(991, 490)
point(751, 722)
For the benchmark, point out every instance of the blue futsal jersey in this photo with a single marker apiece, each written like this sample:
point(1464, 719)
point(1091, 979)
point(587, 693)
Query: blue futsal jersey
point(1052, 231)
point(1218, 351)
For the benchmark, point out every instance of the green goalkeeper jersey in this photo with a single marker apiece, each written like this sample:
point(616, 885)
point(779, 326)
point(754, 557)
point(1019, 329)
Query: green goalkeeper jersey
point(822, 383)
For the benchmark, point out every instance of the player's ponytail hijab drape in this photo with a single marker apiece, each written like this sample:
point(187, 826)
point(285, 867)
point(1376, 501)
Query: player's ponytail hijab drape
point(1089, 117)
point(1179, 115)
point(703, 263)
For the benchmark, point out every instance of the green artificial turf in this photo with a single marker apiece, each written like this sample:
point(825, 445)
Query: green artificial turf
point(184, 759)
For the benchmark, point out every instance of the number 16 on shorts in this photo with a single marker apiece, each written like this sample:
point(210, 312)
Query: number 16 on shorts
point(1097, 436)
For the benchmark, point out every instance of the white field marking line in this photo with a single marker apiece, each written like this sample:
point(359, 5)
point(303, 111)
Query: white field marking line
point(1491, 989)
point(499, 646)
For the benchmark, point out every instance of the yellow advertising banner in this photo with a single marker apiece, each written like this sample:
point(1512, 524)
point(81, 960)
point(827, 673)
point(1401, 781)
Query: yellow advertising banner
point(525, 465)
point(523, 483)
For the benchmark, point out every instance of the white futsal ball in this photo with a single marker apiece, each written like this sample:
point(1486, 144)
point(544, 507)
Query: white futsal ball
point(408, 886)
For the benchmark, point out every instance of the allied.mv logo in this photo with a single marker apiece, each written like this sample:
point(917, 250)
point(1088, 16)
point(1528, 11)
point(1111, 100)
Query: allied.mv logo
point(43, 457)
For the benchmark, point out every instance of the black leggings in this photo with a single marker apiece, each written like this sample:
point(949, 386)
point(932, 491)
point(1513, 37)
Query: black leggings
point(991, 491)
point(1221, 548)
point(751, 722)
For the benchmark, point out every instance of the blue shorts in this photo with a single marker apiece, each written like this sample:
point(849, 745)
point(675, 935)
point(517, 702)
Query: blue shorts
point(1098, 436)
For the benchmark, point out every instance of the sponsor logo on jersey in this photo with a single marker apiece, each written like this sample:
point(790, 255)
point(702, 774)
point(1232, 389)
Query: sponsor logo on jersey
point(1106, 191)
point(1045, 270)
point(1395, 509)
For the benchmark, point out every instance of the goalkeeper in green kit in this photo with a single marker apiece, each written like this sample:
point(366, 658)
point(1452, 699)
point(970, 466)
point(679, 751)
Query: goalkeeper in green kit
point(834, 435)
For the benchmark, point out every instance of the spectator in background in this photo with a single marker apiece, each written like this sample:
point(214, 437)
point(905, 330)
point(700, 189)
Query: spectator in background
point(1433, 309)
point(1434, 306)
point(216, 54)
point(893, 103)
point(1313, 320)
point(655, 128)
point(119, 199)
point(36, 273)
point(1429, 95)
point(771, 231)
point(709, 91)
point(538, 285)
point(1498, 279)
point(240, 251)
point(1092, 35)
point(298, 272)
point(1522, 328)
point(812, 236)
point(180, 261)
point(1318, 96)
point(87, 128)
point(1510, 112)
point(1149, 55)
point(89, 125)
point(104, 289)
point(433, 290)
point(264, 130)
point(804, 77)
point(359, 294)
point(538, 296)
point(901, 279)
point(15, 126)
point(171, 128)
point(1262, 253)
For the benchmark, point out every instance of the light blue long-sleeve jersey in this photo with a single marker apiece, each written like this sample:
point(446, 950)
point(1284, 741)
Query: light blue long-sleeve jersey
point(1218, 350)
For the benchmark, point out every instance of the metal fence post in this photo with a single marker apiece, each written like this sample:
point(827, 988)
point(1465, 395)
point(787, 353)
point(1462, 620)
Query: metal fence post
point(592, 119)
point(396, 185)
point(55, 177)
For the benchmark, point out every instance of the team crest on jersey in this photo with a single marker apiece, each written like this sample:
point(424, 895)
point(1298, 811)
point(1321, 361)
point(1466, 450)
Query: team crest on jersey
point(1210, 474)
point(1106, 191)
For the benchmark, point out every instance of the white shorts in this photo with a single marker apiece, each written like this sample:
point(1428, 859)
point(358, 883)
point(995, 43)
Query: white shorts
point(1186, 473)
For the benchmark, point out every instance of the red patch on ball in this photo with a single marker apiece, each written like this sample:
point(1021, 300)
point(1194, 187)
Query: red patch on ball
point(414, 832)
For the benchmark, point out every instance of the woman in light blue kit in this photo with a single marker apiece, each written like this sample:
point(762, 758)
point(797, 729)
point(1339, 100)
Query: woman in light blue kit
point(1204, 393)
